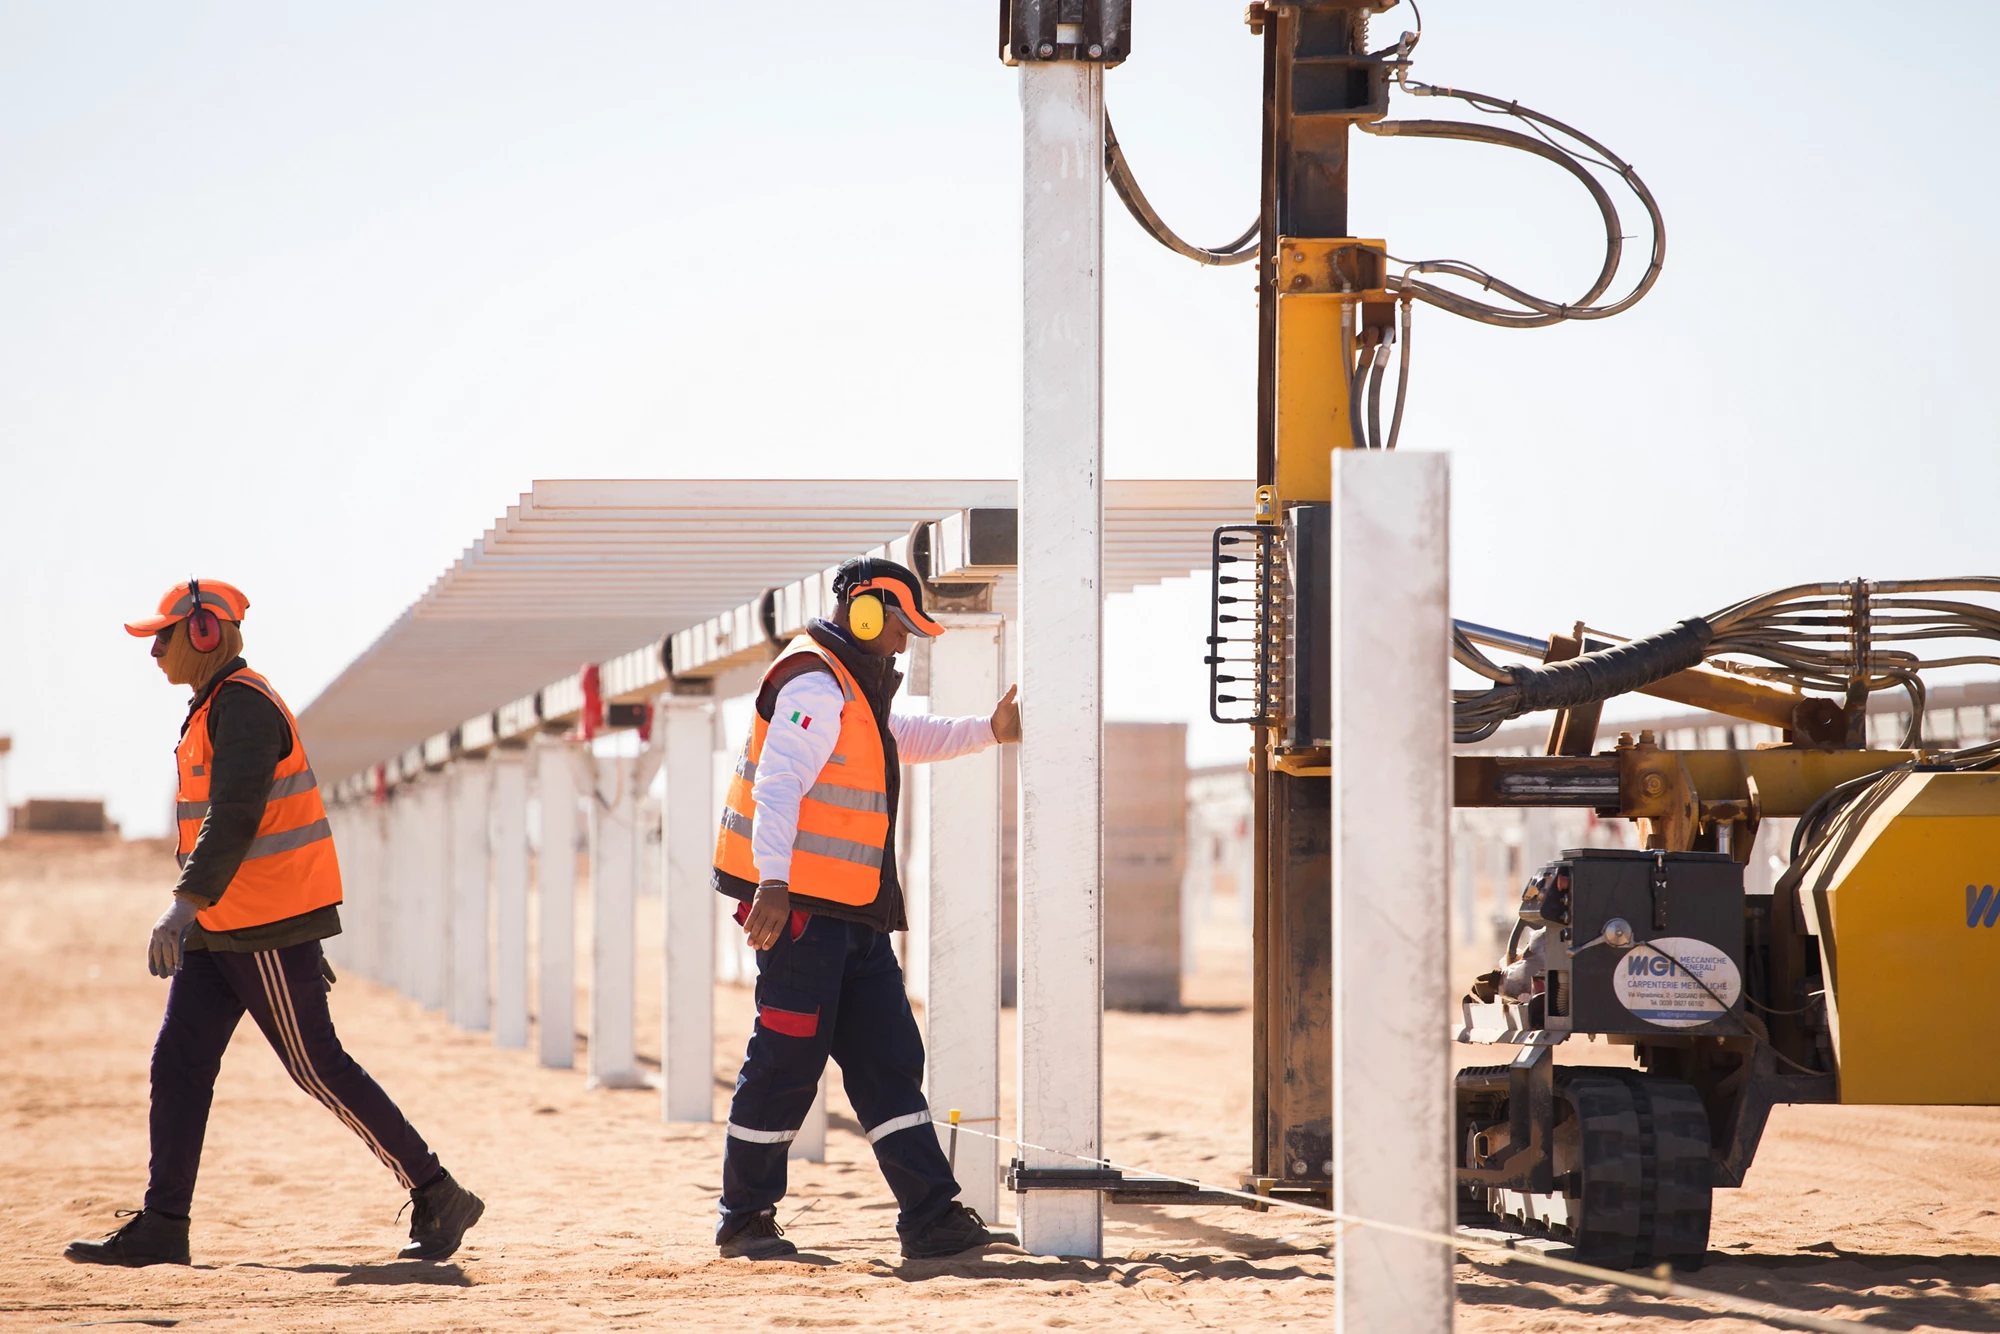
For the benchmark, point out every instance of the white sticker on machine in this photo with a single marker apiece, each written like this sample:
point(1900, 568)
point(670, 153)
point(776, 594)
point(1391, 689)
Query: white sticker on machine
point(1676, 982)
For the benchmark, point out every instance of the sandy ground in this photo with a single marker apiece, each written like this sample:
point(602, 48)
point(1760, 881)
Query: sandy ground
point(599, 1215)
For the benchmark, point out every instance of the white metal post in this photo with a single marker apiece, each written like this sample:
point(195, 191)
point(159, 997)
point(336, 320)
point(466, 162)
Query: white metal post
point(340, 825)
point(392, 917)
point(372, 932)
point(555, 883)
point(471, 863)
point(1392, 1069)
point(962, 1015)
point(435, 944)
point(1464, 888)
point(421, 921)
point(1541, 843)
point(913, 864)
point(509, 796)
point(687, 734)
point(359, 887)
point(1061, 985)
point(614, 877)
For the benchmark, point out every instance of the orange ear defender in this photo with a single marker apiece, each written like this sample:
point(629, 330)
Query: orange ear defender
point(204, 628)
point(865, 617)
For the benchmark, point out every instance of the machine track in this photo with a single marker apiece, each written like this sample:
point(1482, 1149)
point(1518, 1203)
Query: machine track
point(1675, 1189)
point(1632, 1171)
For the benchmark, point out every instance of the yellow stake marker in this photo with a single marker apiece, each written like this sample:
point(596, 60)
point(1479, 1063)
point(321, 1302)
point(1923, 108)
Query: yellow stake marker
point(953, 1152)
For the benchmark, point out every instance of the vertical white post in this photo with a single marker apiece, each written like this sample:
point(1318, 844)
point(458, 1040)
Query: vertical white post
point(340, 823)
point(809, 1145)
point(509, 796)
point(614, 871)
point(1062, 659)
point(555, 881)
point(914, 862)
point(1463, 867)
point(394, 904)
point(1392, 1069)
point(371, 932)
point(687, 734)
point(434, 976)
point(962, 1015)
point(471, 863)
point(360, 887)
point(1541, 842)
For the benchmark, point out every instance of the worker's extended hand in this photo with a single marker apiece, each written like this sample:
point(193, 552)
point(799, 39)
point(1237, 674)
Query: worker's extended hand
point(770, 913)
point(163, 951)
point(1007, 716)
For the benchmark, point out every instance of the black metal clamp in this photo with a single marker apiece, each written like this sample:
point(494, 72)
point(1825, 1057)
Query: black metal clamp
point(1098, 32)
point(1114, 1185)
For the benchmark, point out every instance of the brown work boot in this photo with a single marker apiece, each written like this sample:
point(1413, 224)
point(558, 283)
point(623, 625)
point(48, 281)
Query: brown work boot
point(149, 1239)
point(445, 1211)
point(759, 1238)
point(960, 1229)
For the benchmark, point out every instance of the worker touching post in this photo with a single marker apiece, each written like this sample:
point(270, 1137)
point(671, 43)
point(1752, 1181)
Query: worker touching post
point(808, 847)
point(259, 890)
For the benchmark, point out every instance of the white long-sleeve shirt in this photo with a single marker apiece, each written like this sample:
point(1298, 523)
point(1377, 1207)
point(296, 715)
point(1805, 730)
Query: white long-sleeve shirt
point(805, 723)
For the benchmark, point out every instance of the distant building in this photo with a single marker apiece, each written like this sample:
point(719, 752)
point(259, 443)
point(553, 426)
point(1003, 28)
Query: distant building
point(47, 815)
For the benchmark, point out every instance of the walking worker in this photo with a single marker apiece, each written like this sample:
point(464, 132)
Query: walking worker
point(808, 846)
point(258, 892)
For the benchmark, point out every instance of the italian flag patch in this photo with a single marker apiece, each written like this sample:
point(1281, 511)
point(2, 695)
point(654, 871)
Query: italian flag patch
point(804, 720)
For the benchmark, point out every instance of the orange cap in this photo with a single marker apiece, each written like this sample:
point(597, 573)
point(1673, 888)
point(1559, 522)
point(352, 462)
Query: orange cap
point(225, 600)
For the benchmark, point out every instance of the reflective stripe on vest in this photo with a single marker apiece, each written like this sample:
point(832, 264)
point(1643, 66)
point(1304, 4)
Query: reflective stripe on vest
point(284, 787)
point(843, 828)
point(270, 845)
point(290, 866)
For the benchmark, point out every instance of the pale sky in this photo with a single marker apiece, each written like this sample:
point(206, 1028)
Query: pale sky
point(302, 296)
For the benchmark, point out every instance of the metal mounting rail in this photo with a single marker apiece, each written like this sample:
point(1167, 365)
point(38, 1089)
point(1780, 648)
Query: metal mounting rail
point(1115, 1186)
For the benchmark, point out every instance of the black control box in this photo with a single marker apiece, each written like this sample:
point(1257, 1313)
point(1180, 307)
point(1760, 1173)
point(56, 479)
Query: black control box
point(1642, 943)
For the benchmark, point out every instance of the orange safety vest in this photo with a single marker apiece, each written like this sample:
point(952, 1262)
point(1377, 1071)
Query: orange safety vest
point(843, 817)
point(290, 867)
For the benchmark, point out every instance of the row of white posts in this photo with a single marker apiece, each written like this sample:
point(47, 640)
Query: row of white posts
point(437, 880)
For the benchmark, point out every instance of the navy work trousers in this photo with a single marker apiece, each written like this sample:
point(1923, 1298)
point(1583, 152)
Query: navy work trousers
point(285, 992)
point(834, 990)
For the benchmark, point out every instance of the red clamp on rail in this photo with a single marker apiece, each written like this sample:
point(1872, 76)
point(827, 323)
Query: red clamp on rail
point(591, 717)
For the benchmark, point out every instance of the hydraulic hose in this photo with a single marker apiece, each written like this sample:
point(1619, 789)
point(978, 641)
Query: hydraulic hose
point(1617, 670)
point(1239, 251)
point(1402, 376)
point(1542, 312)
point(1545, 312)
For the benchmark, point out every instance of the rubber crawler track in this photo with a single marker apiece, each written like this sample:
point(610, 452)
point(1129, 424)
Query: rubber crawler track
point(1640, 1194)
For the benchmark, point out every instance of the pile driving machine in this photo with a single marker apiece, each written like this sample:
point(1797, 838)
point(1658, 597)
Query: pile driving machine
point(1845, 985)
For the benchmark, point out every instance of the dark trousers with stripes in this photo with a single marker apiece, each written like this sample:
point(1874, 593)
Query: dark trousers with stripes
point(285, 992)
point(835, 990)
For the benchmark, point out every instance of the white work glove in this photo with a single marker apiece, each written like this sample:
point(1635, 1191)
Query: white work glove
point(163, 952)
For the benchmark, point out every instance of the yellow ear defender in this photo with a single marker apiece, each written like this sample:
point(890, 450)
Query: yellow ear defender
point(864, 617)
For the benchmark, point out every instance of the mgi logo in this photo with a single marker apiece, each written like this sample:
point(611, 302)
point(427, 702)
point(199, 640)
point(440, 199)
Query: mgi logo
point(1982, 905)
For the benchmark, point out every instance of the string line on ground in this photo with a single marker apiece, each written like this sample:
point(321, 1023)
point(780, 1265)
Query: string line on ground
point(1655, 1285)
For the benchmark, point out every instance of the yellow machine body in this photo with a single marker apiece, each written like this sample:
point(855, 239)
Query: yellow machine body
point(1326, 290)
point(1909, 938)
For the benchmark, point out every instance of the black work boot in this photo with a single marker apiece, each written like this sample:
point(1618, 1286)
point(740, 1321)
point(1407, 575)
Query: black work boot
point(959, 1228)
point(758, 1238)
point(149, 1239)
point(445, 1212)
